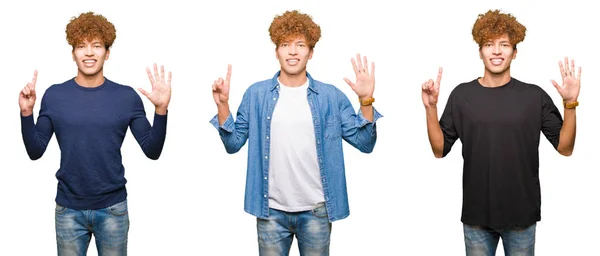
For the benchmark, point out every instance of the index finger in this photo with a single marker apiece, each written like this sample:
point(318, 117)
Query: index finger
point(228, 77)
point(439, 76)
point(34, 80)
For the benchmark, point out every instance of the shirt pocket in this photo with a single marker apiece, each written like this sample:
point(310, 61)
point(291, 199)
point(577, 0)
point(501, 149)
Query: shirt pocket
point(333, 127)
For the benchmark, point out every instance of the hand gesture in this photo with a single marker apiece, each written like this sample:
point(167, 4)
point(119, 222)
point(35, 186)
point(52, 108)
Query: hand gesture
point(160, 95)
point(365, 79)
point(431, 90)
point(220, 88)
point(569, 90)
point(27, 96)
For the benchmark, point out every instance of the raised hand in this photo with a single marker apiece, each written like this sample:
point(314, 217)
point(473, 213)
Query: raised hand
point(27, 96)
point(220, 88)
point(569, 90)
point(160, 95)
point(431, 90)
point(365, 78)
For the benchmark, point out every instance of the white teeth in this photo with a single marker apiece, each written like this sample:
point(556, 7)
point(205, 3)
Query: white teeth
point(496, 61)
point(89, 61)
point(292, 62)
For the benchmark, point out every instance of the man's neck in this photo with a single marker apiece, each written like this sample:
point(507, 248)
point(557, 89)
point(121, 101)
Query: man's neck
point(89, 81)
point(293, 80)
point(495, 80)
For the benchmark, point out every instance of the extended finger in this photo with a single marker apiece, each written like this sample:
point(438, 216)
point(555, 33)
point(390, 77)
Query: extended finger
point(169, 79)
point(228, 77)
point(150, 76)
point(162, 73)
point(354, 66)
point(350, 83)
point(373, 68)
point(572, 67)
point(438, 80)
point(579, 75)
point(562, 69)
point(358, 59)
point(156, 75)
point(365, 64)
point(34, 80)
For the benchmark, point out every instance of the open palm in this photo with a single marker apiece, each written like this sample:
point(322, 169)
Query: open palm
point(160, 95)
point(569, 90)
point(365, 78)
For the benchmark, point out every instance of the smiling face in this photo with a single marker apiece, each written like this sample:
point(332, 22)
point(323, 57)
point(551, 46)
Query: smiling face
point(90, 57)
point(497, 55)
point(293, 56)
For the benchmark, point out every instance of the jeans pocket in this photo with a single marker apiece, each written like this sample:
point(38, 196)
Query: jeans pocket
point(118, 209)
point(59, 209)
point(320, 211)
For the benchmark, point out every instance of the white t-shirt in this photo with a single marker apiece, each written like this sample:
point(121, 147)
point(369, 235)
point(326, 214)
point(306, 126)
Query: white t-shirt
point(294, 175)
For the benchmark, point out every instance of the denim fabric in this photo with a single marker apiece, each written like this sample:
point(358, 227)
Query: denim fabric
point(334, 120)
point(74, 229)
point(482, 241)
point(312, 229)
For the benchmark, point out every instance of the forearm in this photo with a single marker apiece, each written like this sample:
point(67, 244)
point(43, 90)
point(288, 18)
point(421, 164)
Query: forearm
point(567, 133)
point(223, 112)
point(434, 131)
point(35, 143)
point(153, 138)
point(367, 112)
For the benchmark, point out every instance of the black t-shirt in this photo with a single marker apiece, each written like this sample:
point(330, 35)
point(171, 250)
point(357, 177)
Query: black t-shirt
point(499, 128)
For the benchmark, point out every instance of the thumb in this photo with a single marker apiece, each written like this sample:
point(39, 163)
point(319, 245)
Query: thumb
point(144, 92)
point(555, 85)
point(352, 85)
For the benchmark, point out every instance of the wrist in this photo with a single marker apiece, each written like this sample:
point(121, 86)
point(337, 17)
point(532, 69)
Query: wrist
point(161, 110)
point(26, 112)
point(365, 97)
point(570, 104)
point(366, 101)
point(222, 104)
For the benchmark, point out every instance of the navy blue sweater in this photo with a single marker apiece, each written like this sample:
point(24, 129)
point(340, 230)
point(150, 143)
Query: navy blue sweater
point(90, 125)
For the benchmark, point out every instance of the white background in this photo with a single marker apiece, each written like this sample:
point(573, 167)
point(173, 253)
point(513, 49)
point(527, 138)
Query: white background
point(403, 201)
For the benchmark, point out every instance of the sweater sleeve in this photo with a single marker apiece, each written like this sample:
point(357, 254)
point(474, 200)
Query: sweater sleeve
point(37, 136)
point(150, 138)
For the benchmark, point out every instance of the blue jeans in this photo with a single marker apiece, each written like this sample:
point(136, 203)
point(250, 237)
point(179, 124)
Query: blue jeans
point(482, 241)
point(312, 229)
point(74, 229)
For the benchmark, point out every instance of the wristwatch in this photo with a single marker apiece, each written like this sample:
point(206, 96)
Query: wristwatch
point(570, 105)
point(366, 102)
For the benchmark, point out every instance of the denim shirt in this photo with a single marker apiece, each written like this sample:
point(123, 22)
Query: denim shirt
point(334, 119)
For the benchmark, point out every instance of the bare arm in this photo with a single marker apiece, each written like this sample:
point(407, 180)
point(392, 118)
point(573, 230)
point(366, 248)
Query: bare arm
point(569, 91)
point(430, 93)
point(434, 131)
point(567, 133)
point(223, 112)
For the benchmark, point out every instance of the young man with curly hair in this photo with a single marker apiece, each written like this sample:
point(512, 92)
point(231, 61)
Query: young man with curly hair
point(90, 115)
point(498, 120)
point(294, 125)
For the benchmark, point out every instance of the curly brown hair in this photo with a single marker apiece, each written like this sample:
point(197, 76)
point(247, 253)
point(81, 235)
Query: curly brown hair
point(291, 24)
point(89, 26)
point(493, 24)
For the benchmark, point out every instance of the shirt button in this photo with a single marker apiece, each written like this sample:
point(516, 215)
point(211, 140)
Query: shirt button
point(266, 157)
point(265, 177)
point(268, 117)
point(265, 196)
point(318, 142)
point(274, 98)
point(267, 137)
